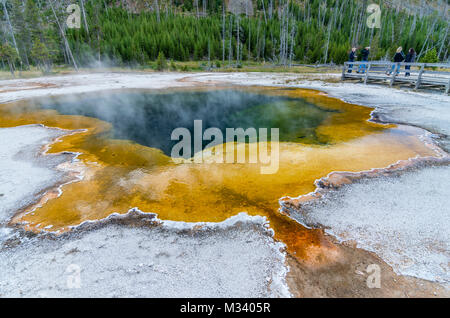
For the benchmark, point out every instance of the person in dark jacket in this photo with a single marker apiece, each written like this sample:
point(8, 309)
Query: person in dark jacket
point(410, 58)
point(364, 57)
point(351, 58)
point(398, 58)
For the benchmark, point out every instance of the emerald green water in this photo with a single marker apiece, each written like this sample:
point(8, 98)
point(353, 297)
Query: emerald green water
point(149, 118)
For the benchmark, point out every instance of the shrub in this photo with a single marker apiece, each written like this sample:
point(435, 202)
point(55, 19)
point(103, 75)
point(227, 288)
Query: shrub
point(173, 66)
point(161, 63)
point(430, 57)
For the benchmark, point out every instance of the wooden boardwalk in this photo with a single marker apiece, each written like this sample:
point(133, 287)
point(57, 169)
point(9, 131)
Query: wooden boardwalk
point(422, 75)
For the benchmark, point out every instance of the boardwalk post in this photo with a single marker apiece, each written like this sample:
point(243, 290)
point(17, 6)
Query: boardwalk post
point(343, 71)
point(394, 74)
point(419, 78)
point(367, 73)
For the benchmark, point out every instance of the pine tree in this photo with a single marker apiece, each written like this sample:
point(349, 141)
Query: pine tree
point(430, 57)
point(161, 63)
point(21, 30)
point(41, 56)
point(8, 53)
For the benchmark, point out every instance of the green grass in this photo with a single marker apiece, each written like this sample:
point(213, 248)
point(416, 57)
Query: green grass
point(190, 66)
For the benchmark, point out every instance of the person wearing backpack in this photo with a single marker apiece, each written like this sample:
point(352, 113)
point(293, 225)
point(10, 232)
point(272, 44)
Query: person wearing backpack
point(398, 58)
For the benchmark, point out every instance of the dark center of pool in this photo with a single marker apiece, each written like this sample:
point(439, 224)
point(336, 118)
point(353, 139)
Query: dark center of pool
point(149, 118)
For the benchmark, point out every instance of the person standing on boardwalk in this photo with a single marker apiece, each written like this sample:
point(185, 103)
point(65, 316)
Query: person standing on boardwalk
point(398, 58)
point(410, 58)
point(351, 58)
point(365, 58)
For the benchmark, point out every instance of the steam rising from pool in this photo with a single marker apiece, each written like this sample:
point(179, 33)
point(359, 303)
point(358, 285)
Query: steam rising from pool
point(149, 118)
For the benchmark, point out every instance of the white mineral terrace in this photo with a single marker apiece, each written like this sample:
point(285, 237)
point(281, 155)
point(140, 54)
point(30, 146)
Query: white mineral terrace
point(404, 219)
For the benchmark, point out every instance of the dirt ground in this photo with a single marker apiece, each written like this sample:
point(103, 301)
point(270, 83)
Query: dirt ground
point(348, 277)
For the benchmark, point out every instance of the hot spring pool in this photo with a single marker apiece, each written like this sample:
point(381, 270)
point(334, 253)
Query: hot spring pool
point(123, 139)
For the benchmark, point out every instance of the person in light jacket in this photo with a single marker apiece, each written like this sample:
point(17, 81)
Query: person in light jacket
point(410, 58)
point(398, 58)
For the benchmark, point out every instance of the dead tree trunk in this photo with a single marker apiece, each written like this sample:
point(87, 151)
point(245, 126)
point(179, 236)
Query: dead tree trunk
point(270, 9)
point(258, 46)
point(291, 54)
point(429, 33)
point(230, 45)
point(264, 11)
point(196, 8)
point(157, 10)
point(66, 43)
point(223, 32)
point(10, 28)
point(84, 17)
point(328, 43)
point(444, 39)
point(237, 40)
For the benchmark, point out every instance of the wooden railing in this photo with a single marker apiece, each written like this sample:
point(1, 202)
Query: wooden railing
point(419, 75)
